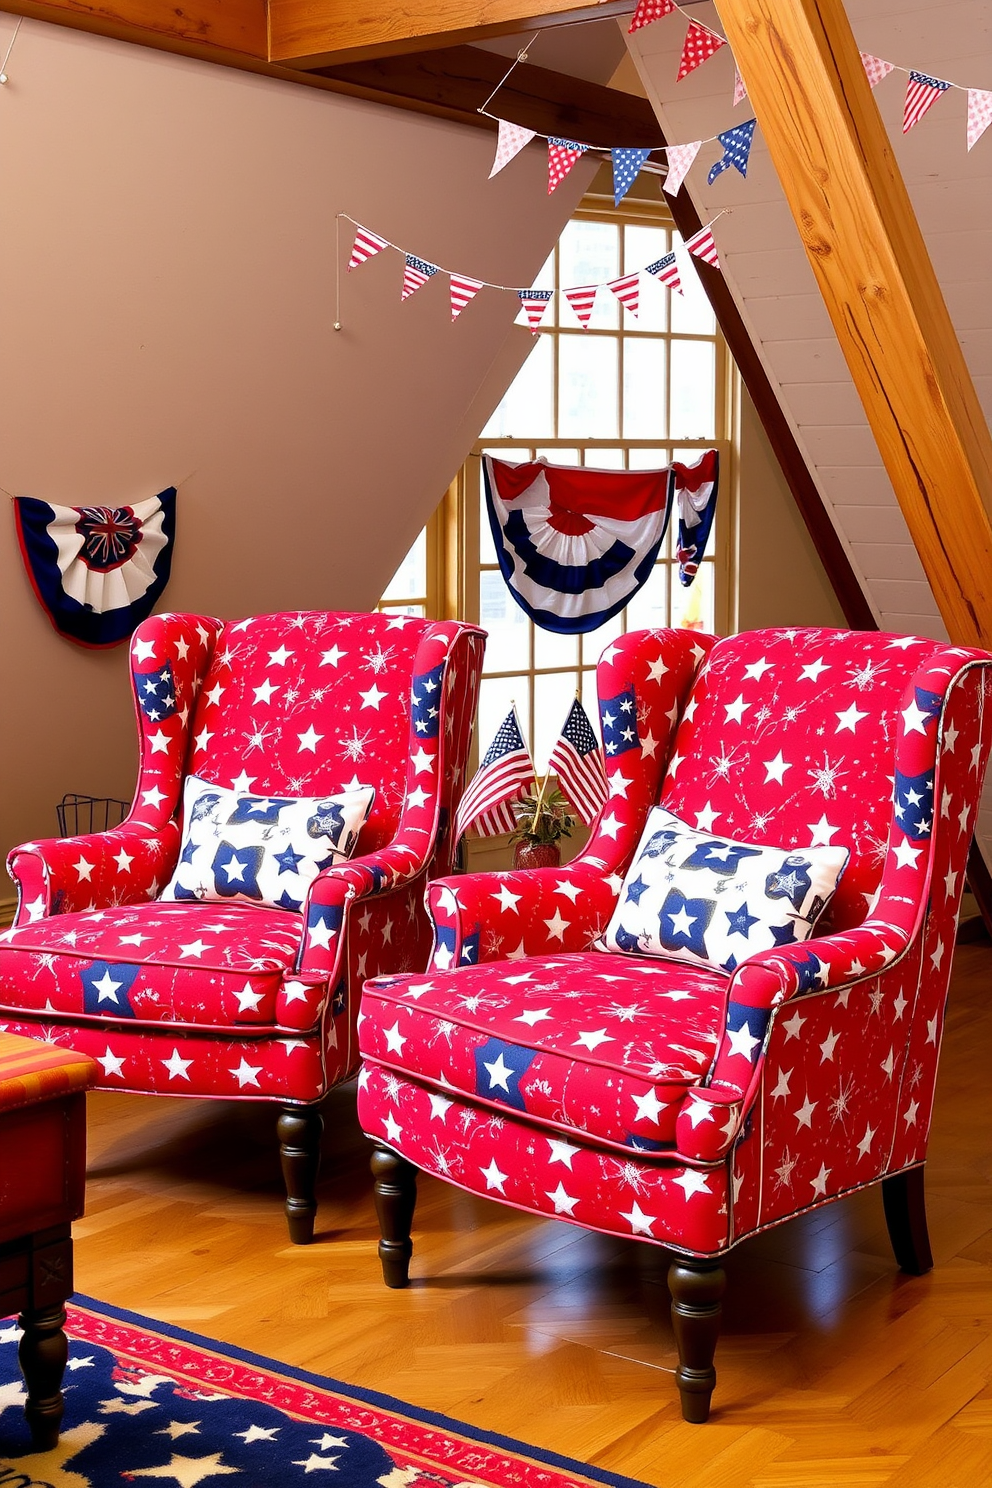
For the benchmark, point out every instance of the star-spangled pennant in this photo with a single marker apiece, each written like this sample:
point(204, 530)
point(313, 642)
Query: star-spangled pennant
point(699, 45)
point(366, 245)
point(922, 93)
point(666, 271)
point(740, 91)
point(680, 158)
point(463, 289)
point(736, 144)
point(701, 245)
point(876, 68)
point(562, 156)
point(648, 11)
point(511, 140)
point(535, 303)
point(416, 272)
point(627, 291)
point(582, 299)
point(979, 114)
point(627, 163)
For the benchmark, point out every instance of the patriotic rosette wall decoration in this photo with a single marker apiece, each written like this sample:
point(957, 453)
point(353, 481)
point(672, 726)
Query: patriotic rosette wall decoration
point(98, 571)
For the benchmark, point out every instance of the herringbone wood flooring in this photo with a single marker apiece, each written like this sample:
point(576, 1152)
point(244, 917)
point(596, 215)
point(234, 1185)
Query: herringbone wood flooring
point(833, 1368)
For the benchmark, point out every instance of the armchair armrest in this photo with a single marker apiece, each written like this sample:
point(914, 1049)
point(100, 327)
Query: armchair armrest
point(62, 875)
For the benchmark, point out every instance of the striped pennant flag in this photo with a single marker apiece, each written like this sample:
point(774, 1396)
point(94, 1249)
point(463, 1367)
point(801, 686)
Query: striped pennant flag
point(876, 68)
point(535, 302)
point(582, 299)
point(505, 775)
point(979, 114)
point(562, 155)
point(701, 245)
point(577, 760)
point(510, 142)
point(922, 93)
point(627, 291)
point(416, 272)
point(699, 45)
point(648, 11)
point(666, 271)
point(463, 289)
point(680, 158)
point(366, 245)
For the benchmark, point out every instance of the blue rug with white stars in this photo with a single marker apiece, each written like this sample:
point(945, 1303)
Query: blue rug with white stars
point(144, 1401)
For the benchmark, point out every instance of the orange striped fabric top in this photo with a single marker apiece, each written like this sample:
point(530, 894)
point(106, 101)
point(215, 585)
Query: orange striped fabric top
point(32, 1071)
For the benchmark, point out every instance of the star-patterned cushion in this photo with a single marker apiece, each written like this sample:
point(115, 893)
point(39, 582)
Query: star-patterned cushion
point(265, 849)
point(710, 901)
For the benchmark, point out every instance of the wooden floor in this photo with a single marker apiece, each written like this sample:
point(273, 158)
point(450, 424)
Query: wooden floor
point(833, 1368)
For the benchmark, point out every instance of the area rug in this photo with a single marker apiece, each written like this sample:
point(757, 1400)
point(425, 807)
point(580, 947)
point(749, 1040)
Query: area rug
point(148, 1401)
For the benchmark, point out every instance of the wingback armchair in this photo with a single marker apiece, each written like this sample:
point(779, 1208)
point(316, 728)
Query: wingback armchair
point(226, 997)
point(685, 1105)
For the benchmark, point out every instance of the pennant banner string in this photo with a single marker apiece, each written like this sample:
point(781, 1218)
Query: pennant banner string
point(520, 57)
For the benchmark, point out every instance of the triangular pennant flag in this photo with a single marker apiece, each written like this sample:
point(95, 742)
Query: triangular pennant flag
point(626, 165)
point(416, 272)
point(562, 155)
point(680, 158)
point(510, 142)
point(740, 92)
point(979, 114)
point(627, 291)
point(582, 299)
point(648, 11)
point(367, 245)
point(876, 68)
point(462, 290)
point(700, 44)
point(736, 144)
point(666, 271)
point(922, 93)
point(701, 244)
point(535, 302)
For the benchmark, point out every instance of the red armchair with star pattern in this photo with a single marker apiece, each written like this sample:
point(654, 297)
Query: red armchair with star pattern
point(232, 999)
point(681, 1105)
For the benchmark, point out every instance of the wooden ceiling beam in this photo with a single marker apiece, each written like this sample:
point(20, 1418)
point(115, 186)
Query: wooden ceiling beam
point(216, 29)
point(330, 33)
point(807, 86)
point(459, 79)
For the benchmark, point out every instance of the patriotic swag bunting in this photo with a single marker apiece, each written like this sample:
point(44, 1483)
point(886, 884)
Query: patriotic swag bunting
point(695, 492)
point(922, 93)
point(680, 158)
point(582, 299)
point(736, 144)
point(367, 245)
point(535, 303)
point(97, 570)
point(626, 167)
point(462, 290)
point(416, 272)
point(573, 545)
point(666, 271)
point(510, 141)
point(562, 156)
point(648, 11)
point(699, 46)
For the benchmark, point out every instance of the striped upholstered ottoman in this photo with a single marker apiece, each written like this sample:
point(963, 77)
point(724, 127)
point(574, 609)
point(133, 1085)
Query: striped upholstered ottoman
point(42, 1177)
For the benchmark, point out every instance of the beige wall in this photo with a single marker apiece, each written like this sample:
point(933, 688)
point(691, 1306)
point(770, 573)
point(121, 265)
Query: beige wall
point(167, 269)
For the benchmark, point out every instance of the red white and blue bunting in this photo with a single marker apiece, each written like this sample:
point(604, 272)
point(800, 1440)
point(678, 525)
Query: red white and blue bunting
point(98, 571)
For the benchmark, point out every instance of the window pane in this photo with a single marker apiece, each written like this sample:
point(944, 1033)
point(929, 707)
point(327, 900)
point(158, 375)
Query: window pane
point(552, 650)
point(642, 245)
point(693, 390)
point(411, 577)
point(649, 606)
point(643, 388)
point(692, 608)
point(590, 699)
point(559, 456)
point(690, 310)
point(587, 388)
point(589, 253)
point(648, 459)
point(508, 646)
point(553, 696)
point(604, 459)
point(527, 407)
point(405, 609)
point(495, 700)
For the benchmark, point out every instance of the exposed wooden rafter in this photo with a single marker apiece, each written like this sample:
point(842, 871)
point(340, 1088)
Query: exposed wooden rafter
point(807, 86)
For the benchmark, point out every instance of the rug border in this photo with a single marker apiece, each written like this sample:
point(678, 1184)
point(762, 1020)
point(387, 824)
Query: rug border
point(449, 1424)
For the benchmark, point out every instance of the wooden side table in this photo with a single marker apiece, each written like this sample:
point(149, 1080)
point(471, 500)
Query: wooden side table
point(42, 1180)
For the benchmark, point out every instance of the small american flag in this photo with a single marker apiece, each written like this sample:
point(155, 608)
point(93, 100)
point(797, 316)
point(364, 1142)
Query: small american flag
point(922, 93)
point(416, 272)
point(367, 245)
point(703, 246)
point(627, 291)
point(505, 775)
point(535, 303)
point(577, 760)
point(666, 271)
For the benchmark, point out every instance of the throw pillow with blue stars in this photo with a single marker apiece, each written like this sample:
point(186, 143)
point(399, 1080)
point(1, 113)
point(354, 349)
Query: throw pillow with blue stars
point(264, 849)
point(689, 896)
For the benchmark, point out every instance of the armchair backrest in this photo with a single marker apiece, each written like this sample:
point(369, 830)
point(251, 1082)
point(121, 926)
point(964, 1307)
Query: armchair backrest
point(800, 737)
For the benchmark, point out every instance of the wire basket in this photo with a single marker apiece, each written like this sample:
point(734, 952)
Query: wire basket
point(80, 814)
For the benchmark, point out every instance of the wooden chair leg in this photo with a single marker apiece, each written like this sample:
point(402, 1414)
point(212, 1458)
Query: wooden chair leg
point(905, 1205)
point(395, 1199)
point(697, 1288)
point(42, 1354)
point(299, 1129)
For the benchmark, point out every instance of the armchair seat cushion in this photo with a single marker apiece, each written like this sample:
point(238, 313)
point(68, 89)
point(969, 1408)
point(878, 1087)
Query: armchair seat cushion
point(579, 1043)
point(208, 966)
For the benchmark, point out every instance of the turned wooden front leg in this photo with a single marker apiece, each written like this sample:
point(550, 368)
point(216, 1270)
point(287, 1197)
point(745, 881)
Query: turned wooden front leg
point(299, 1129)
point(42, 1354)
point(395, 1200)
point(697, 1289)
